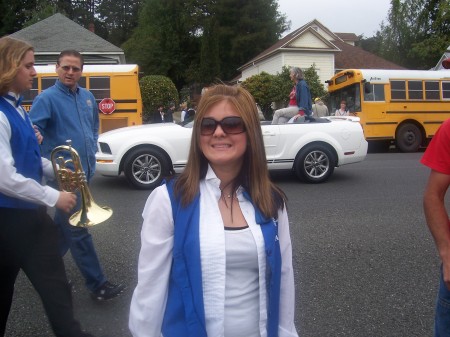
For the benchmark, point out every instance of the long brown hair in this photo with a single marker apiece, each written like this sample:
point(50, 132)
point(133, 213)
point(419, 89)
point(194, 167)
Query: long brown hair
point(12, 52)
point(254, 175)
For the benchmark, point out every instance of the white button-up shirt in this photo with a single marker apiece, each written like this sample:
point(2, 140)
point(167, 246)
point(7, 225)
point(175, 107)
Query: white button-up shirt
point(14, 184)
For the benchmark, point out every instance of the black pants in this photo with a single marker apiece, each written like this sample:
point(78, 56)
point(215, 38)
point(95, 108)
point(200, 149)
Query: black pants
point(29, 241)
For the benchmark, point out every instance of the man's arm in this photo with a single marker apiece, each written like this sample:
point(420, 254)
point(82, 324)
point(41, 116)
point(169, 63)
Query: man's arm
point(437, 217)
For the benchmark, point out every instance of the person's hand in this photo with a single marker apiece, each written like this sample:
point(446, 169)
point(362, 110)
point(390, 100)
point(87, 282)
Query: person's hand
point(38, 134)
point(66, 201)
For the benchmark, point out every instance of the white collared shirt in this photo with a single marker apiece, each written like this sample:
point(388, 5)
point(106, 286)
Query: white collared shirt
point(14, 184)
point(150, 296)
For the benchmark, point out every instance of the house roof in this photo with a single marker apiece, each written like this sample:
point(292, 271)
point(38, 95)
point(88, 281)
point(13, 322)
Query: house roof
point(352, 37)
point(57, 33)
point(355, 57)
point(285, 43)
point(346, 55)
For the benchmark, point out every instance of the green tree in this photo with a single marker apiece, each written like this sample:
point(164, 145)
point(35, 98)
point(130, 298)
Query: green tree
point(120, 18)
point(156, 90)
point(316, 88)
point(162, 43)
point(202, 40)
point(416, 33)
point(14, 14)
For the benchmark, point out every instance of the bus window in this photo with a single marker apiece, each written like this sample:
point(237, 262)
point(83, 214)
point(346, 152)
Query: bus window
point(47, 82)
point(375, 94)
point(398, 90)
point(29, 95)
point(415, 90)
point(446, 90)
point(350, 94)
point(100, 87)
point(432, 90)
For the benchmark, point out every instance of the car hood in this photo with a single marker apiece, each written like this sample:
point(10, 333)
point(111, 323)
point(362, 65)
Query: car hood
point(148, 129)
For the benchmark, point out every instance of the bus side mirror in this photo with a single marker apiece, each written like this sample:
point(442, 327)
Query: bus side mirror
point(367, 88)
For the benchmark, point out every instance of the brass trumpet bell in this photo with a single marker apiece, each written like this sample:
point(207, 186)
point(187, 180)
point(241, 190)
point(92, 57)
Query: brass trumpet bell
point(90, 214)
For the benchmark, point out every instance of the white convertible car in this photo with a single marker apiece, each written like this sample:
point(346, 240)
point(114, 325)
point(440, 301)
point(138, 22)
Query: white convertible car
point(147, 153)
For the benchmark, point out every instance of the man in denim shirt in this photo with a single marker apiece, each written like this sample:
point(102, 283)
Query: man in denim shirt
point(68, 111)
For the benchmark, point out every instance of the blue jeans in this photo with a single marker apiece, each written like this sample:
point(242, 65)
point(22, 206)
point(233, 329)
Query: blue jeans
point(79, 241)
point(442, 316)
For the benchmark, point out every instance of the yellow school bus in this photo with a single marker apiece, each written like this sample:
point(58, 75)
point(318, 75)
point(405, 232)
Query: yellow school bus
point(404, 106)
point(115, 88)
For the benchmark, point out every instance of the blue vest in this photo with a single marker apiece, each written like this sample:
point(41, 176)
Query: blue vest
point(25, 151)
point(185, 315)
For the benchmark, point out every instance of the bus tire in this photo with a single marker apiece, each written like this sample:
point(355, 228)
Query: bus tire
point(145, 168)
point(408, 137)
point(314, 164)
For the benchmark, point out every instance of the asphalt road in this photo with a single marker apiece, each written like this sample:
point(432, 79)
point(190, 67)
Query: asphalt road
point(365, 263)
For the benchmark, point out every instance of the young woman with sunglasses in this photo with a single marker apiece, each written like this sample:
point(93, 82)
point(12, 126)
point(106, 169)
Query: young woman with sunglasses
point(216, 255)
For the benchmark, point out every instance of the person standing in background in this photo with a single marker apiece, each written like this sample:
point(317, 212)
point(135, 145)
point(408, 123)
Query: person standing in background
point(68, 111)
point(319, 109)
point(437, 158)
point(28, 236)
point(159, 116)
point(168, 117)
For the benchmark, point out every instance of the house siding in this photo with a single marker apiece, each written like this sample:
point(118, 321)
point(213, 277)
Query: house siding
point(310, 40)
point(272, 66)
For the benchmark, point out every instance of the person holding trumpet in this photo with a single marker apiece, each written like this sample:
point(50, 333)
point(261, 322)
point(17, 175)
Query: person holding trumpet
point(28, 236)
point(62, 112)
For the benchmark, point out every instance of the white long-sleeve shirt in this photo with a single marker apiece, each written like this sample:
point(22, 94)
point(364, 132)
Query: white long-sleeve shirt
point(14, 184)
point(150, 296)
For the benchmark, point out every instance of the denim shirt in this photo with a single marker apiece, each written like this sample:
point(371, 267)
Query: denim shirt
point(63, 114)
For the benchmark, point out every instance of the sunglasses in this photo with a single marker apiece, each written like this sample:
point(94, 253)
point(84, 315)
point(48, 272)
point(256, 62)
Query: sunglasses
point(74, 69)
point(229, 125)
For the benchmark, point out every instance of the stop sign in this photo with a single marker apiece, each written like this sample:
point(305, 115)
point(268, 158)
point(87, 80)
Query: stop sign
point(107, 106)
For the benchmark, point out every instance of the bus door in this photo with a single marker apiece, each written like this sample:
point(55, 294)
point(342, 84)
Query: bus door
point(374, 110)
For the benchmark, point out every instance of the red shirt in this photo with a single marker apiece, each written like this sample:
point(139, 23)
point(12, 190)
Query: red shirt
point(292, 99)
point(437, 155)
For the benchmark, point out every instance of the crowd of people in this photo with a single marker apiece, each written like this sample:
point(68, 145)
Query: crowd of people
point(216, 252)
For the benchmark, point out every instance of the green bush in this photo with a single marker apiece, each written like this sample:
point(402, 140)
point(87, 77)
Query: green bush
point(264, 88)
point(156, 90)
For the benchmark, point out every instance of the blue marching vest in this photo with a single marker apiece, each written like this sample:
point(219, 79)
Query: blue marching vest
point(25, 151)
point(185, 315)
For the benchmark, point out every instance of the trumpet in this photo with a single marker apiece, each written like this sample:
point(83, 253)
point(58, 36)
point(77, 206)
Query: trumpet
point(90, 214)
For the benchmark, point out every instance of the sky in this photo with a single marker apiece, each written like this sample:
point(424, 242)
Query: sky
point(345, 16)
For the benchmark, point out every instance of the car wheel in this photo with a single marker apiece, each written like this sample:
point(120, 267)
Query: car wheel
point(408, 137)
point(145, 168)
point(314, 164)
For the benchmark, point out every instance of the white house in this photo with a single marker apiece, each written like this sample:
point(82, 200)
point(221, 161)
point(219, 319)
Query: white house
point(315, 44)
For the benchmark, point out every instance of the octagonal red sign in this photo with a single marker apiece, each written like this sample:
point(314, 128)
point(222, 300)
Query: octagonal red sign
point(107, 106)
